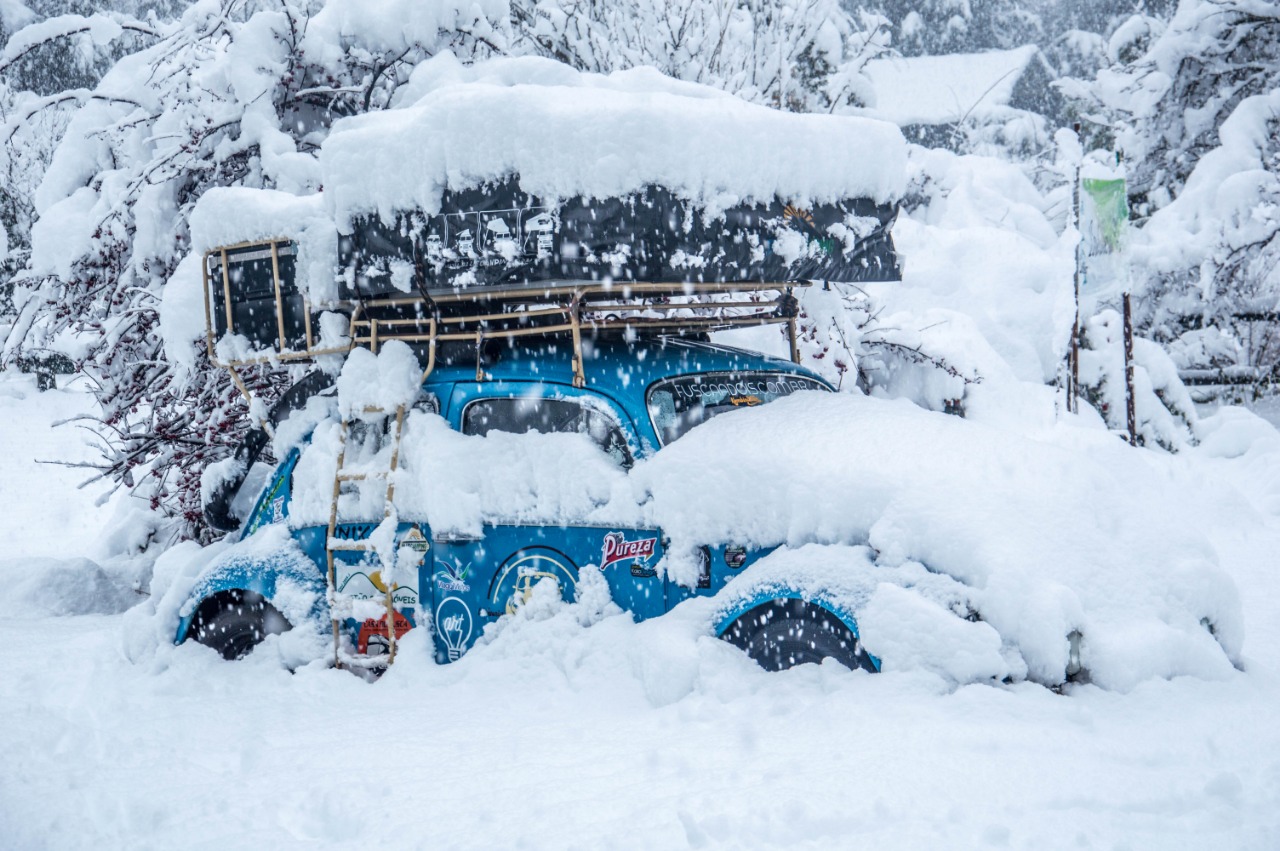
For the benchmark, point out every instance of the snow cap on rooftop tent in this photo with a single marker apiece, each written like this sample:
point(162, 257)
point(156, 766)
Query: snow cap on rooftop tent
point(568, 133)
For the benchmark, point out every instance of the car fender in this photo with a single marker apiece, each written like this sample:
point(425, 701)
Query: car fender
point(727, 614)
point(269, 563)
point(839, 579)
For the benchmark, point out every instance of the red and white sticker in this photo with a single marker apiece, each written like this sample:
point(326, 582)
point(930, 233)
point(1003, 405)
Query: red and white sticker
point(617, 548)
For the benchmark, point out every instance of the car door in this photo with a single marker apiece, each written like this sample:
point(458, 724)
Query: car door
point(500, 567)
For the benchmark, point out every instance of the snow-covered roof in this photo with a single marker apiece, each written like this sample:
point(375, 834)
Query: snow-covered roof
point(568, 133)
point(946, 89)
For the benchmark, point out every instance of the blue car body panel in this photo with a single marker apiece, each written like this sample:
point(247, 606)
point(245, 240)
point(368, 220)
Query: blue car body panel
point(465, 583)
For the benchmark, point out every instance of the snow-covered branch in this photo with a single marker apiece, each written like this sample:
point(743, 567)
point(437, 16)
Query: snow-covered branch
point(101, 29)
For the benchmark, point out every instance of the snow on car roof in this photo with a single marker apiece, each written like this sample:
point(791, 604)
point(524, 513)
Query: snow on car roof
point(567, 133)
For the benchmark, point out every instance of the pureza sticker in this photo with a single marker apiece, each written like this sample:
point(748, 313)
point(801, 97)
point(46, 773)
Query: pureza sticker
point(618, 549)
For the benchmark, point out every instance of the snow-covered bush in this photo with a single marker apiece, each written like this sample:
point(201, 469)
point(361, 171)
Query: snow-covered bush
point(1165, 416)
point(232, 94)
point(1212, 256)
point(1195, 106)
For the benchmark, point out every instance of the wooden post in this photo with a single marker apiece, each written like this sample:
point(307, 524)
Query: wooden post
point(275, 280)
point(226, 293)
point(1073, 377)
point(1130, 412)
point(579, 367)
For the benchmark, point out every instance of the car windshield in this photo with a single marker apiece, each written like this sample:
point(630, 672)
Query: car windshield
point(678, 404)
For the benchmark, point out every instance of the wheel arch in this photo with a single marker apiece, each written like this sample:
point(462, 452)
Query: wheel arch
point(727, 615)
point(277, 583)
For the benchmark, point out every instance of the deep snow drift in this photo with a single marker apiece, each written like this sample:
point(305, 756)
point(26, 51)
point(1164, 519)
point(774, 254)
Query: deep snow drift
point(575, 728)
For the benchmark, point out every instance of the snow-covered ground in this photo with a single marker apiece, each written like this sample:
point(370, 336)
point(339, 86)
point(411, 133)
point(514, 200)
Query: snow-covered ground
point(575, 727)
point(613, 735)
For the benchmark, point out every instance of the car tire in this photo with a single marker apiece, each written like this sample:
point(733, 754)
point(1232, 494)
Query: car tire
point(783, 633)
point(235, 622)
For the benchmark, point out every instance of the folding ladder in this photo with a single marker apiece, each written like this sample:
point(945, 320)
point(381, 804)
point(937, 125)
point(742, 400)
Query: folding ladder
point(340, 604)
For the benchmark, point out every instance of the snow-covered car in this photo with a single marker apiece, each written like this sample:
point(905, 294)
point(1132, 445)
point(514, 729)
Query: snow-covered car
point(799, 523)
point(457, 575)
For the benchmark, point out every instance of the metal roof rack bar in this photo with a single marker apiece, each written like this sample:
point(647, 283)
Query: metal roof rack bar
point(495, 312)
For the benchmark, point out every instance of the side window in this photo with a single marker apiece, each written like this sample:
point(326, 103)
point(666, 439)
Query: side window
point(523, 414)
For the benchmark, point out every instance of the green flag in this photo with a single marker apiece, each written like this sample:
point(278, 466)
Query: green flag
point(1104, 222)
point(1104, 215)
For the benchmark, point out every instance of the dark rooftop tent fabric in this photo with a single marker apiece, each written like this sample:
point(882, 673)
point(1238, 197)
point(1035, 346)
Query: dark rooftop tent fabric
point(499, 235)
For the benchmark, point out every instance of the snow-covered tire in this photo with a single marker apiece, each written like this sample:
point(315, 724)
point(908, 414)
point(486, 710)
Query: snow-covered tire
point(235, 622)
point(781, 634)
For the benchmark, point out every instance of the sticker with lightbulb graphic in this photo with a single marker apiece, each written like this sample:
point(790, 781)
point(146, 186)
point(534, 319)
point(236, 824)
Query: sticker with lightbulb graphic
point(454, 626)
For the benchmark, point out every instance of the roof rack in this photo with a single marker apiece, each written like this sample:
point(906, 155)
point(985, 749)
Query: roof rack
point(249, 290)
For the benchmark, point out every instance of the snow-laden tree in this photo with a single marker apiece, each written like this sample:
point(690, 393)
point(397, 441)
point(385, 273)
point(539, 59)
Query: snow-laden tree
point(931, 27)
point(1171, 87)
point(1195, 106)
point(53, 54)
point(24, 156)
point(801, 55)
point(234, 93)
point(1212, 256)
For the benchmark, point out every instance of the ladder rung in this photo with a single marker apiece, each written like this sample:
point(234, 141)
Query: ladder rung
point(339, 545)
point(360, 477)
point(350, 661)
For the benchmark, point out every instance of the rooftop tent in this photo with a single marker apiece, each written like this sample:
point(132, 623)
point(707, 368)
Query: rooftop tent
point(523, 170)
point(499, 235)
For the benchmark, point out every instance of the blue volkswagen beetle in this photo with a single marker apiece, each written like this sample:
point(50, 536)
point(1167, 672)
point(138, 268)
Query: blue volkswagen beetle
point(631, 397)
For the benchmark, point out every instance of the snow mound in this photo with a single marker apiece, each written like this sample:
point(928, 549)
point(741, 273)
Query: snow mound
point(567, 133)
point(910, 618)
point(60, 587)
point(456, 483)
point(175, 589)
point(1050, 540)
point(378, 384)
point(985, 272)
